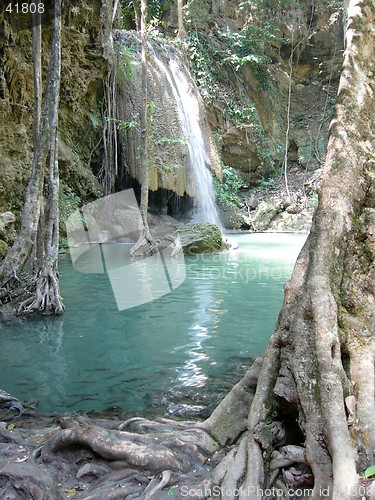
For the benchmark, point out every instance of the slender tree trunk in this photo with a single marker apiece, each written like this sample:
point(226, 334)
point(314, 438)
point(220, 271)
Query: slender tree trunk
point(37, 56)
point(47, 297)
point(180, 13)
point(37, 73)
point(144, 116)
point(145, 243)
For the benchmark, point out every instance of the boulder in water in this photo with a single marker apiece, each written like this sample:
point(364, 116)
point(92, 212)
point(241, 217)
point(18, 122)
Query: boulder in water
point(201, 238)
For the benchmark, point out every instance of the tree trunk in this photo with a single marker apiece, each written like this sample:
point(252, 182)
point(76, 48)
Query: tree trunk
point(180, 13)
point(144, 117)
point(46, 297)
point(145, 243)
point(323, 348)
point(37, 60)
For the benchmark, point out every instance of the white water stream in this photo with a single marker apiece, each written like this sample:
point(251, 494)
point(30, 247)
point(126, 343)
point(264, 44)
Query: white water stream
point(189, 113)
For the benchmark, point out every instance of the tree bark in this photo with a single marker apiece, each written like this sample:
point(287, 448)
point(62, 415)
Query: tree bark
point(146, 242)
point(46, 298)
point(180, 14)
point(37, 53)
point(327, 321)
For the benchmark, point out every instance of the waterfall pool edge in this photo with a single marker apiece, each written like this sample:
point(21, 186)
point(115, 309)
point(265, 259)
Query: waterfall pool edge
point(177, 354)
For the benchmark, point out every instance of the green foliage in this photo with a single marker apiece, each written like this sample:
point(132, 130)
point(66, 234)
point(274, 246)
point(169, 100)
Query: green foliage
point(156, 10)
point(170, 140)
point(127, 11)
point(269, 183)
point(213, 62)
point(68, 202)
point(171, 167)
point(249, 47)
point(210, 59)
point(202, 64)
point(370, 471)
point(301, 119)
point(227, 191)
point(125, 58)
point(126, 125)
point(305, 154)
point(96, 122)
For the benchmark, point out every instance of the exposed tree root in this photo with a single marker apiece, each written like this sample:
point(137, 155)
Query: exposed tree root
point(156, 451)
point(146, 245)
point(26, 480)
point(46, 299)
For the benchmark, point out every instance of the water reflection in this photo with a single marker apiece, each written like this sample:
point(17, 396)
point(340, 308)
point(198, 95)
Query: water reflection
point(33, 363)
point(192, 374)
point(193, 339)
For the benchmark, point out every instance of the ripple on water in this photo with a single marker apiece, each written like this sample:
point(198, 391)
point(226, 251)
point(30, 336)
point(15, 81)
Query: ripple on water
point(181, 352)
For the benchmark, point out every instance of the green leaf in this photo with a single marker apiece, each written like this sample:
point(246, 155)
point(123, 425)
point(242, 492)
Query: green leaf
point(370, 471)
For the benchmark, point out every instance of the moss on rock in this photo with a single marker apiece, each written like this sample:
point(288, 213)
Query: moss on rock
point(3, 249)
point(201, 238)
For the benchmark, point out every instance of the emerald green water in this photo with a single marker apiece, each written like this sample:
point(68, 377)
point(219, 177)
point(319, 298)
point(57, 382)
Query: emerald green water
point(181, 351)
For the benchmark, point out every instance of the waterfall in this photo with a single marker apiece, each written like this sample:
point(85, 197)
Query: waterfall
point(188, 106)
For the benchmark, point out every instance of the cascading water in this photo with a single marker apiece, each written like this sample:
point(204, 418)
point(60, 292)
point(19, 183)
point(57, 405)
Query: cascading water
point(188, 110)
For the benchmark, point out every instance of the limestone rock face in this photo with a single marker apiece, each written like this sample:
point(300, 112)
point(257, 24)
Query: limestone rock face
point(251, 129)
point(169, 159)
point(257, 148)
point(83, 70)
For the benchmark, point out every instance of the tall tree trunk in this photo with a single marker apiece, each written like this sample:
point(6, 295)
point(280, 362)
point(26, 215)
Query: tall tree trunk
point(180, 13)
point(46, 299)
point(145, 243)
point(37, 73)
point(323, 348)
point(144, 116)
point(37, 61)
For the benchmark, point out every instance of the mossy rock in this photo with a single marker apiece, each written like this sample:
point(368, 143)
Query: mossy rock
point(3, 249)
point(201, 238)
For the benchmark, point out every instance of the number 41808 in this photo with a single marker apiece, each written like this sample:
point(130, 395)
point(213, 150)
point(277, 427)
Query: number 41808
point(25, 8)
